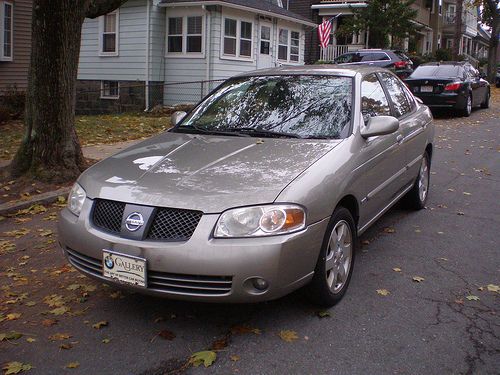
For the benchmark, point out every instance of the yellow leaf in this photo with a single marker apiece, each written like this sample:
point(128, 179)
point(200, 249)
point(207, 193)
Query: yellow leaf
point(383, 292)
point(100, 324)
point(396, 269)
point(288, 336)
point(472, 298)
point(207, 358)
point(235, 358)
point(59, 310)
point(13, 316)
point(73, 365)
point(389, 230)
point(493, 288)
point(16, 368)
point(30, 339)
point(59, 336)
point(418, 279)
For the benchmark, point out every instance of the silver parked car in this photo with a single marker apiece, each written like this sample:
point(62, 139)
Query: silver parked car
point(263, 188)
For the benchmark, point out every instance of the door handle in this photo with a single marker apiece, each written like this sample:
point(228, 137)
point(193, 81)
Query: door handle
point(399, 139)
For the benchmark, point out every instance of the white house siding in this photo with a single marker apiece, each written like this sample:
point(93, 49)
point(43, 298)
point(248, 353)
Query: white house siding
point(129, 65)
point(157, 46)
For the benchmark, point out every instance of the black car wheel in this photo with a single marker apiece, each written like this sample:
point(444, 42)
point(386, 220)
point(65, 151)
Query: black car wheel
point(417, 196)
point(334, 268)
point(486, 102)
point(467, 109)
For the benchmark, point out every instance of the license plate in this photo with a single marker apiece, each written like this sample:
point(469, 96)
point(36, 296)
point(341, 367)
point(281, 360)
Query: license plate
point(125, 269)
point(426, 89)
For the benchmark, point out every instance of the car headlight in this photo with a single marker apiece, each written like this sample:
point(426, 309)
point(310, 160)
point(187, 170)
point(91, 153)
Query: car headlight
point(260, 221)
point(76, 198)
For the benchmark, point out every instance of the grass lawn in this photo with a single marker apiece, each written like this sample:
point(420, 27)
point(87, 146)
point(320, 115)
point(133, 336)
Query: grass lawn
point(92, 130)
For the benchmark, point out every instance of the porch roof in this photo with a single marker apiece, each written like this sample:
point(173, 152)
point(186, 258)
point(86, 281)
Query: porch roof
point(259, 6)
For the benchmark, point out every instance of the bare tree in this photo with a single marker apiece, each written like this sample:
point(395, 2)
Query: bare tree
point(50, 150)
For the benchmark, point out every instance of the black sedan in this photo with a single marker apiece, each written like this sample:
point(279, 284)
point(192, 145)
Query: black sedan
point(455, 85)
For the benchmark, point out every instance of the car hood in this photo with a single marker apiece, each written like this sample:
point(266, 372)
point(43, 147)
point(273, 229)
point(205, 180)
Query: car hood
point(202, 172)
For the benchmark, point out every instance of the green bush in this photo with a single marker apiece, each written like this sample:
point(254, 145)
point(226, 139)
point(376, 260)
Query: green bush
point(443, 54)
point(14, 101)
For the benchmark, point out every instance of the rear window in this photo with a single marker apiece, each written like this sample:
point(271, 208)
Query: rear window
point(377, 56)
point(347, 58)
point(442, 71)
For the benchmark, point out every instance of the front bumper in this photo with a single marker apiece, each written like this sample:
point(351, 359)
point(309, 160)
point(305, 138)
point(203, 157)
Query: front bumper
point(202, 268)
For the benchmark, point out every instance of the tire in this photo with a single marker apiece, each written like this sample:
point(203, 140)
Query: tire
point(417, 196)
point(335, 263)
point(486, 103)
point(467, 109)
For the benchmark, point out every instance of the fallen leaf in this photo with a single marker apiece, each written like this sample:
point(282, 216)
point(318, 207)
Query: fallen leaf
point(207, 358)
point(30, 339)
point(418, 279)
point(389, 230)
point(167, 335)
point(73, 365)
point(288, 336)
point(60, 310)
point(323, 314)
point(54, 300)
point(16, 368)
point(13, 335)
point(460, 213)
point(493, 288)
point(73, 287)
point(245, 329)
point(59, 336)
point(396, 269)
point(383, 292)
point(13, 316)
point(365, 242)
point(106, 341)
point(45, 232)
point(466, 193)
point(65, 346)
point(17, 233)
point(49, 322)
point(234, 358)
point(99, 325)
point(472, 298)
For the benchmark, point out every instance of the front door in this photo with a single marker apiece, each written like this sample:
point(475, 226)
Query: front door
point(265, 59)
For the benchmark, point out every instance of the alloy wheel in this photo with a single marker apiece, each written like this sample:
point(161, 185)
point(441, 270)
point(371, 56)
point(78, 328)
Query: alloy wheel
point(423, 179)
point(339, 256)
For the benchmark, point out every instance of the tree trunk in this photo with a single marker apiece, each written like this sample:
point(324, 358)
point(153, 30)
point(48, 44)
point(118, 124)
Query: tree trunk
point(493, 47)
point(458, 29)
point(50, 150)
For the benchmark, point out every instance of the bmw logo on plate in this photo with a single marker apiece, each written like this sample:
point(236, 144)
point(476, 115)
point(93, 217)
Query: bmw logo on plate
point(134, 221)
point(108, 261)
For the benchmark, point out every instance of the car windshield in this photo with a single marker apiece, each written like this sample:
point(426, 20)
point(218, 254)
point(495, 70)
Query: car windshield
point(306, 106)
point(441, 71)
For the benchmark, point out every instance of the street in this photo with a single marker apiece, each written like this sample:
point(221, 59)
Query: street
point(423, 298)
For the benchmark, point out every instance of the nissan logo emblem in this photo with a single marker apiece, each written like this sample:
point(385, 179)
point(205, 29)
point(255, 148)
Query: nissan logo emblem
point(134, 221)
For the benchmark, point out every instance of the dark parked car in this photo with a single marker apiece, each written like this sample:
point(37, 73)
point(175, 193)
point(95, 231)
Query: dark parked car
point(497, 78)
point(394, 60)
point(455, 85)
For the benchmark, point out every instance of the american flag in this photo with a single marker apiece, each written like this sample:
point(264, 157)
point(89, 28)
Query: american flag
point(324, 33)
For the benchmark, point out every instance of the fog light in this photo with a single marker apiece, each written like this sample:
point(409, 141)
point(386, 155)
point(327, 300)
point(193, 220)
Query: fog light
point(260, 284)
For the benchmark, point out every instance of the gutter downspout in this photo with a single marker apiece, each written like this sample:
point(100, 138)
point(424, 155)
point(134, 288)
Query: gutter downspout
point(146, 88)
point(208, 45)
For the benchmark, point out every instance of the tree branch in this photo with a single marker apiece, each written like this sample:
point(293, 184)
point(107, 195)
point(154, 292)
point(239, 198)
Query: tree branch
point(98, 8)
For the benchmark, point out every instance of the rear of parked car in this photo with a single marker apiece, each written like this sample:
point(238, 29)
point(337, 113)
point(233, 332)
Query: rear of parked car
point(396, 61)
point(453, 85)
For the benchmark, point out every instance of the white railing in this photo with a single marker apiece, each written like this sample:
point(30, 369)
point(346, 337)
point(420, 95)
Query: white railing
point(331, 52)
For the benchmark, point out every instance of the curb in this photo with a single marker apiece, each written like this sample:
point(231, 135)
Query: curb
point(46, 198)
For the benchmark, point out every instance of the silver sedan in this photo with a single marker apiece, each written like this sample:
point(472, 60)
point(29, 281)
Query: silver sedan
point(263, 188)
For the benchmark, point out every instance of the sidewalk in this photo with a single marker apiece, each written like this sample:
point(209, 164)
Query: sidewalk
point(95, 152)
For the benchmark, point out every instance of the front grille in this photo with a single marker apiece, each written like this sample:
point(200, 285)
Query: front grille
point(168, 224)
point(173, 224)
point(108, 215)
point(162, 281)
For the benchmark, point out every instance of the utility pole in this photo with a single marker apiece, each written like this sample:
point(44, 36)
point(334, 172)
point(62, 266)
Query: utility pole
point(458, 29)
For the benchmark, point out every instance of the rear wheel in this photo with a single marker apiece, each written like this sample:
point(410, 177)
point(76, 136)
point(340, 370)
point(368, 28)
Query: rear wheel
point(467, 110)
point(417, 196)
point(486, 103)
point(334, 267)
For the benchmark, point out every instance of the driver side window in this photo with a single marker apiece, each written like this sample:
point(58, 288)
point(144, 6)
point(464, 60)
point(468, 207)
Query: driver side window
point(373, 99)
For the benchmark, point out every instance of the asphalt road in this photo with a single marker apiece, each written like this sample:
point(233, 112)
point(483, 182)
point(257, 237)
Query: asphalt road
point(445, 324)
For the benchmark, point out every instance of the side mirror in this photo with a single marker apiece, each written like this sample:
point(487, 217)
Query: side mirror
point(177, 117)
point(380, 125)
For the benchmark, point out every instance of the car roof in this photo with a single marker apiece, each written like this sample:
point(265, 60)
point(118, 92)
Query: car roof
point(326, 69)
point(439, 63)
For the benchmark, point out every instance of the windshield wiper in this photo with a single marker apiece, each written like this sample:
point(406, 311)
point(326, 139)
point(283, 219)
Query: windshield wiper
point(197, 129)
point(262, 133)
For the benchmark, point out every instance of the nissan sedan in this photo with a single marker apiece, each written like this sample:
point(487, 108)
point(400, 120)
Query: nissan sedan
point(263, 188)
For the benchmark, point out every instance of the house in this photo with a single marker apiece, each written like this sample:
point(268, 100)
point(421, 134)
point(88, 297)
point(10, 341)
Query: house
point(148, 51)
point(15, 44)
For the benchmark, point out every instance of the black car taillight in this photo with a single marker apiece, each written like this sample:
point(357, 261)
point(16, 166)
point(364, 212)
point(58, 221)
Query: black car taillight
point(454, 86)
point(400, 64)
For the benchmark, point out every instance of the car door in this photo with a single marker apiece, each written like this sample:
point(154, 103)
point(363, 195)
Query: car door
point(380, 160)
point(411, 126)
point(480, 87)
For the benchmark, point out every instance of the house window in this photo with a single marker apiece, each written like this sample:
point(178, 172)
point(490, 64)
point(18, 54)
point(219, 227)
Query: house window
point(108, 25)
point(288, 45)
point(185, 35)
point(238, 38)
point(265, 40)
point(110, 89)
point(6, 30)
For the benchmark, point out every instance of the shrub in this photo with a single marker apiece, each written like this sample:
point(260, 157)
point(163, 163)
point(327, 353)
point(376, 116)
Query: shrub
point(14, 101)
point(443, 54)
point(4, 114)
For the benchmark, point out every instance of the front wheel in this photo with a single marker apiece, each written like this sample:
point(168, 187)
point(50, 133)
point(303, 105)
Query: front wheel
point(467, 110)
point(486, 103)
point(334, 267)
